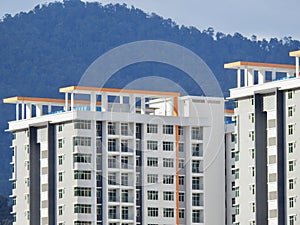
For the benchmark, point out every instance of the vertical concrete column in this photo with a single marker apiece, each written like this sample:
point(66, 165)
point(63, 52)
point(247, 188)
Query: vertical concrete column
point(273, 74)
point(238, 77)
point(35, 180)
point(121, 99)
point(281, 159)
point(49, 108)
point(93, 102)
point(17, 111)
point(28, 110)
point(38, 110)
point(72, 101)
point(261, 76)
point(246, 77)
point(52, 206)
point(104, 103)
point(297, 66)
point(261, 162)
point(132, 103)
point(250, 76)
point(143, 105)
point(66, 101)
point(23, 110)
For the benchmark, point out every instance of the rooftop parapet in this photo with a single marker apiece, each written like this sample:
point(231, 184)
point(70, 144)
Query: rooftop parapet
point(123, 101)
point(249, 70)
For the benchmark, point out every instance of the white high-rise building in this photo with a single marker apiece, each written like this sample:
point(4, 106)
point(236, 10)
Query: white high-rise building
point(267, 114)
point(122, 157)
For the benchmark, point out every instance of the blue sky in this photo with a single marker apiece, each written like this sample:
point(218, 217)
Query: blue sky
point(264, 18)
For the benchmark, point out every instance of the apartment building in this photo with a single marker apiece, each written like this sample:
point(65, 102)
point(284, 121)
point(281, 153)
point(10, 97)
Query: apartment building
point(266, 136)
point(118, 157)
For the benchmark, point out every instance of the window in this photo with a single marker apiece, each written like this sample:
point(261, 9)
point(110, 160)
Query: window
point(124, 179)
point(60, 193)
point(291, 184)
point(291, 129)
point(124, 146)
point(125, 213)
point(289, 94)
point(167, 129)
point(152, 212)
point(81, 141)
point(168, 212)
point(60, 159)
point(82, 208)
point(82, 124)
point(111, 128)
point(112, 212)
point(237, 173)
point(196, 133)
point(112, 179)
point(237, 191)
point(152, 161)
point(60, 210)
point(152, 145)
point(168, 162)
point(252, 100)
point(252, 118)
point(180, 130)
point(197, 150)
point(197, 166)
point(168, 146)
point(291, 202)
point(60, 143)
point(181, 163)
point(112, 162)
point(82, 191)
point(252, 206)
point(82, 175)
point(82, 158)
point(197, 183)
point(291, 165)
point(197, 216)
point(124, 196)
point(152, 178)
point(168, 179)
point(237, 209)
point(82, 223)
point(291, 147)
point(292, 220)
point(197, 199)
point(180, 147)
point(152, 128)
point(124, 129)
point(112, 195)
point(152, 195)
point(112, 145)
point(251, 135)
point(124, 162)
point(181, 180)
point(236, 103)
point(181, 196)
point(59, 127)
point(252, 171)
point(60, 176)
point(168, 195)
point(252, 153)
point(181, 213)
point(290, 111)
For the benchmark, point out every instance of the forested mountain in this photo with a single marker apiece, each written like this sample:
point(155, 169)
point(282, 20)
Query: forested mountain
point(52, 45)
